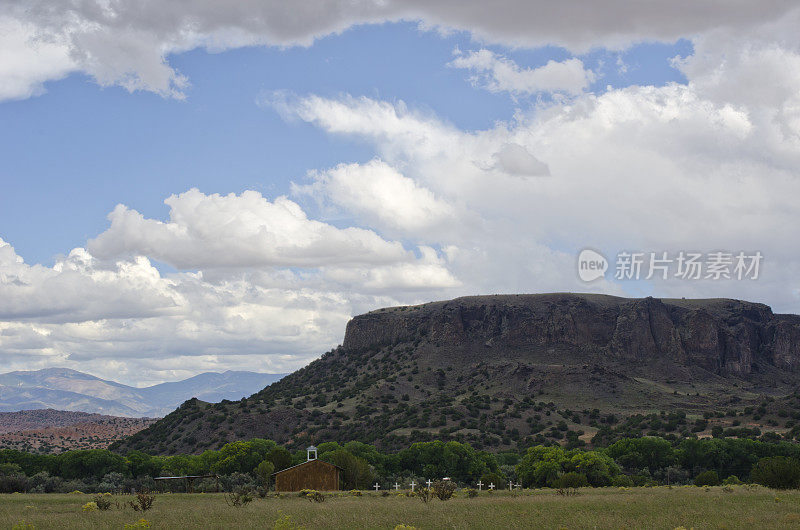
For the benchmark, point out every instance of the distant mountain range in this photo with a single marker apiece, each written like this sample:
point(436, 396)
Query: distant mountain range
point(65, 389)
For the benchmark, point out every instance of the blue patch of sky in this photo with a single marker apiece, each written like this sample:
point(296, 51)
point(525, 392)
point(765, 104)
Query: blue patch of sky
point(647, 63)
point(643, 64)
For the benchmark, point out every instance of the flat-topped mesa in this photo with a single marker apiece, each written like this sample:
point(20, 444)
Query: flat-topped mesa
point(720, 335)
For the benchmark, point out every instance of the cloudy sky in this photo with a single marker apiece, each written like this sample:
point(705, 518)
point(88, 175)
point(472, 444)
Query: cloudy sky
point(194, 186)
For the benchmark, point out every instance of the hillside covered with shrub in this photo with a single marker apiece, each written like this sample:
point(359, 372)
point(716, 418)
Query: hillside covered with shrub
point(507, 372)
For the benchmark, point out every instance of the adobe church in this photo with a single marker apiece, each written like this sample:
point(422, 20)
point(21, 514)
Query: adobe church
point(312, 474)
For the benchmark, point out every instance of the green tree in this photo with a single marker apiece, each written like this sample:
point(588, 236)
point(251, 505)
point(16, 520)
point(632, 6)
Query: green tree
point(10, 469)
point(356, 472)
point(545, 473)
point(326, 447)
point(189, 464)
point(377, 460)
point(236, 457)
point(777, 472)
point(440, 459)
point(280, 458)
point(707, 478)
point(571, 480)
point(89, 463)
point(541, 465)
point(494, 478)
point(639, 453)
point(598, 468)
point(141, 464)
point(264, 472)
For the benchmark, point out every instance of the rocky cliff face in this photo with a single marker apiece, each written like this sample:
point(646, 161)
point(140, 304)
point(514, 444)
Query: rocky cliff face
point(722, 336)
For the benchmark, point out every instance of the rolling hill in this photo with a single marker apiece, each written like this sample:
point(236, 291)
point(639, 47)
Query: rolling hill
point(54, 431)
point(497, 371)
point(70, 390)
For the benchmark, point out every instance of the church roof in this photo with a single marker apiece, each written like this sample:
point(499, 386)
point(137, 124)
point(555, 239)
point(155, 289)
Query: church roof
point(308, 462)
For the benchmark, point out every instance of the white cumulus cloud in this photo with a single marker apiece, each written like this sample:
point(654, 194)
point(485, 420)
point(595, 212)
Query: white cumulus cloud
point(260, 286)
point(379, 195)
point(692, 166)
point(247, 230)
point(129, 43)
point(27, 60)
point(500, 74)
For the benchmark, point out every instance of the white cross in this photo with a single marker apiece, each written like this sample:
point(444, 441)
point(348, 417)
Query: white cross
point(412, 485)
point(429, 483)
point(518, 485)
point(491, 486)
point(396, 486)
point(480, 485)
point(377, 486)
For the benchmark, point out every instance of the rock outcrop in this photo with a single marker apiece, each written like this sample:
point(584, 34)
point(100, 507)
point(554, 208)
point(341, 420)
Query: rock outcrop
point(722, 336)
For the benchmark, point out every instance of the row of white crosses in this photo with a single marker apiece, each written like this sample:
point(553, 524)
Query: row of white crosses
point(413, 484)
point(511, 485)
point(396, 486)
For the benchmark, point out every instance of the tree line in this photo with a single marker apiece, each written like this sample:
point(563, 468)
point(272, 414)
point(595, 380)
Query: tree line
point(629, 461)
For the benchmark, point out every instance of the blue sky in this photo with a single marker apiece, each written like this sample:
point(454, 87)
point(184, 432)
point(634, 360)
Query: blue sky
point(198, 188)
point(80, 149)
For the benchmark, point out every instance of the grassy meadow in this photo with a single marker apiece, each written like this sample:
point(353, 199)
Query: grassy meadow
point(657, 507)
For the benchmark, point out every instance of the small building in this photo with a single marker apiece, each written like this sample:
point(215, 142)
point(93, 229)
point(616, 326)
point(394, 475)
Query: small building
point(187, 480)
point(312, 474)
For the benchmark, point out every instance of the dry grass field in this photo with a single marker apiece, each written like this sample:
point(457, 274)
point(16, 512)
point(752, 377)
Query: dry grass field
point(661, 507)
